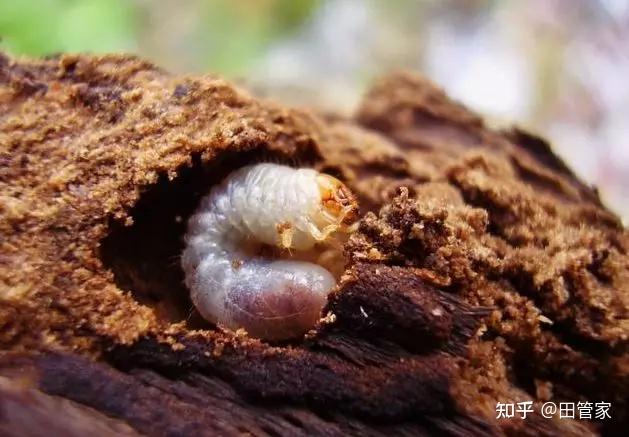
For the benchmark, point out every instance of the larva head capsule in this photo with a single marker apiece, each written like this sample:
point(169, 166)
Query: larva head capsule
point(326, 206)
point(339, 205)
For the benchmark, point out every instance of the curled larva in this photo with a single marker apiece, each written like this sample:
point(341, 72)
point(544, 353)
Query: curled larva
point(242, 259)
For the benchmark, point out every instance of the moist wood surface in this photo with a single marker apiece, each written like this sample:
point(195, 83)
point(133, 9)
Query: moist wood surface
point(495, 275)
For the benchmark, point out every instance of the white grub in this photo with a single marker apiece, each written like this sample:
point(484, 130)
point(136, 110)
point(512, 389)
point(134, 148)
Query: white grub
point(250, 243)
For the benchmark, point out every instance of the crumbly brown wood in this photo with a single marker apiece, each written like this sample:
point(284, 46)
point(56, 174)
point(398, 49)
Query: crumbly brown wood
point(495, 276)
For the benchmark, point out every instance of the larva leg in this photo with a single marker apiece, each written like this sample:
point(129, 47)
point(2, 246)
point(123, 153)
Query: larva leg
point(321, 234)
point(338, 220)
point(286, 233)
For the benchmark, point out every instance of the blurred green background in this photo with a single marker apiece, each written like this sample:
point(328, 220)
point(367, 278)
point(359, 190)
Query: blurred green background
point(222, 35)
point(559, 67)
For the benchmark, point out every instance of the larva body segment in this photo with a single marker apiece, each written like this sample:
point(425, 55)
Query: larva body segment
point(231, 280)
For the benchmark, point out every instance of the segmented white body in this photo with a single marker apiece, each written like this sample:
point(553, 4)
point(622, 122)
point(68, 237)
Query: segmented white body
point(231, 282)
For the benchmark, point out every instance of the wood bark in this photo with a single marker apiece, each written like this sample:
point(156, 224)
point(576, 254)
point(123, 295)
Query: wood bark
point(493, 275)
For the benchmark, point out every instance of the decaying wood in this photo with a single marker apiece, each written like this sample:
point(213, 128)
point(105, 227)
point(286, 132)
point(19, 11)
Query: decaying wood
point(494, 275)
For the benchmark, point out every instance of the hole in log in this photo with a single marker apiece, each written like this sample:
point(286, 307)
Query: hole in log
point(145, 257)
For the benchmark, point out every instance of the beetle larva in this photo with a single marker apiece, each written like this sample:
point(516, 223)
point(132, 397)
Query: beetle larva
point(235, 241)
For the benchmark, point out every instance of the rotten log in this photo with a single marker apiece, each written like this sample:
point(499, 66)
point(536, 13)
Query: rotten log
point(493, 275)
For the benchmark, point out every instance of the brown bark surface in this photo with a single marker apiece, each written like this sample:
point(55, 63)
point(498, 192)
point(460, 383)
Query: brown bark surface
point(494, 275)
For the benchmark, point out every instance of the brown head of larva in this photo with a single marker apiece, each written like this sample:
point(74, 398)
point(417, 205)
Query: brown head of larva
point(337, 200)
